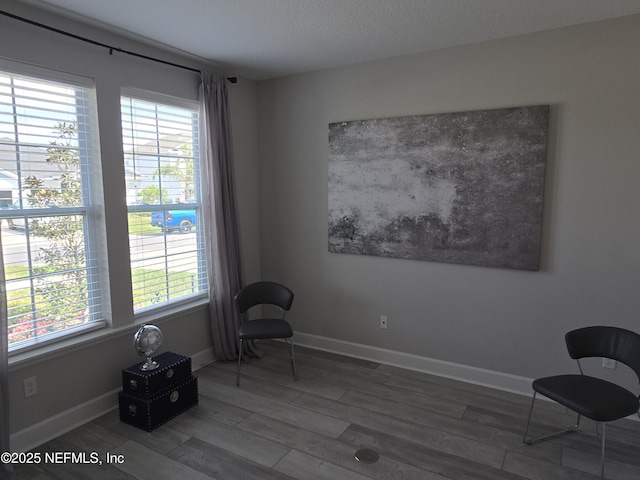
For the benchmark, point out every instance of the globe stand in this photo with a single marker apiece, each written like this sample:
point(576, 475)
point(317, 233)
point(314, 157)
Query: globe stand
point(149, 365)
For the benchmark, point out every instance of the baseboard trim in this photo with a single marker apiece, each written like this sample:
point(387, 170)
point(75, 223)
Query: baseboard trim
point(54, 426)
point(63, 422)
point(465, 373)
point(202, 359)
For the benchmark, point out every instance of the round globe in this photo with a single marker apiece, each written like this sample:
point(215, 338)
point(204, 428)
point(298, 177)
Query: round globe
point(147, 341)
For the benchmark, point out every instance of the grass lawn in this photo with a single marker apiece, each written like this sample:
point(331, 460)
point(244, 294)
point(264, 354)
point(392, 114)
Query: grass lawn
point(11, 272)
point(149, 287)
point(140, 224)
point(154, 286)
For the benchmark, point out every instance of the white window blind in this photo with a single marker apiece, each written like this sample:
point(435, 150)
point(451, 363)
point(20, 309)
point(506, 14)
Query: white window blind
point(162, 171)
point(48, 161)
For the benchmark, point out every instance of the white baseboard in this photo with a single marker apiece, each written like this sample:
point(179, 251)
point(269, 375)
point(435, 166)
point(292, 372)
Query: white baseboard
point(66, 421)
point(202, 359)
point(465, 373)
point(63, 422)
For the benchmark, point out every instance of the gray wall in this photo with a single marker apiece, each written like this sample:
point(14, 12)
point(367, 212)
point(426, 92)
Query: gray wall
point(496, 319)
point(68, 378)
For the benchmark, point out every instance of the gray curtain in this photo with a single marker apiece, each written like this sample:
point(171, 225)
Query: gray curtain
point(6, 471)
point(221, 224)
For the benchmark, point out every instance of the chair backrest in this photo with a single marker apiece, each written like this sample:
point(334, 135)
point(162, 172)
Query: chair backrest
point(264, 293)
point(608, 342)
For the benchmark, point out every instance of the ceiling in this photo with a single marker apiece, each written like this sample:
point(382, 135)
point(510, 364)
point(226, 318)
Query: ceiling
point(262, 39)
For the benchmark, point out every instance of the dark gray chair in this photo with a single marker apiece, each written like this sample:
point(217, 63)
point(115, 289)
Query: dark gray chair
point(588, 396)
point(265, 293)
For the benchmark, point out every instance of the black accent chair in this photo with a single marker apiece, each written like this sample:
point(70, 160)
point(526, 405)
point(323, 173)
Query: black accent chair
point(265, 293)
point(594, 398)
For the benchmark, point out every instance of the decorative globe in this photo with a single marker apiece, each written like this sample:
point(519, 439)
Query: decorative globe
point(147, 341)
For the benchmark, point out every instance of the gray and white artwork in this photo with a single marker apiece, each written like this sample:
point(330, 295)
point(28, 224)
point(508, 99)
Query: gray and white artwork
point(459, 187)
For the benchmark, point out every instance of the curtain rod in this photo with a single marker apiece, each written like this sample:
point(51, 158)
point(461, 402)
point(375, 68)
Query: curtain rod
point(104, 45)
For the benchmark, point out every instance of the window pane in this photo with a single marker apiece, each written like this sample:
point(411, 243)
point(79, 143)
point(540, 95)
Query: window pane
point(46, 157)
point(163, 195)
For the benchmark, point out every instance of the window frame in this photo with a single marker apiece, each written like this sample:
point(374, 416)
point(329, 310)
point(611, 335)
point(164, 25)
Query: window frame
point(202, 294)
point(90, 210)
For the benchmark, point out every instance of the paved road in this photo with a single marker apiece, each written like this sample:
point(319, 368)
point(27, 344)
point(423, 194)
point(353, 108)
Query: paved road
point(180, 248)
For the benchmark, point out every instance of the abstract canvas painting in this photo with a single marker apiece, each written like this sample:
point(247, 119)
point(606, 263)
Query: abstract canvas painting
point(457, 187)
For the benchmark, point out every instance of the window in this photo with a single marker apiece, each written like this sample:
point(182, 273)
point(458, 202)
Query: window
point(162, 171)
point(49, 168)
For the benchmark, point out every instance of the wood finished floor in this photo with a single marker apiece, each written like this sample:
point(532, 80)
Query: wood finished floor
point(424, 427)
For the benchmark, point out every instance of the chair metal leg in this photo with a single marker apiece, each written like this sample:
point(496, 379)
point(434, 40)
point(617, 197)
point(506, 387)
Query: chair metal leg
point(526, 430)
point(545, 437)
point(602, 452)
point(239, 362)
point(292, 355)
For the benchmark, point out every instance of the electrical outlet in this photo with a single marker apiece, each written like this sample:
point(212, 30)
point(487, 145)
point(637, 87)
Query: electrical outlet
point(30, 387)
point(384, 321)
point(608, 363)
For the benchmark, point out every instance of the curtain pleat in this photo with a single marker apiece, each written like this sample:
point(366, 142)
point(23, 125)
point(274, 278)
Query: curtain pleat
point(221, 223)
